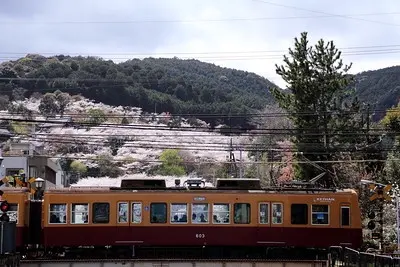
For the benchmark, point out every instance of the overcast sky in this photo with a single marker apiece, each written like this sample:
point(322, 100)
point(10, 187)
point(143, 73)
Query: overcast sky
point(258, 32)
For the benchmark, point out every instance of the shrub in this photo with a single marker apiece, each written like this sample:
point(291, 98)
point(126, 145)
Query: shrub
point(96, 116)
point(171, 163)
point(78, 167)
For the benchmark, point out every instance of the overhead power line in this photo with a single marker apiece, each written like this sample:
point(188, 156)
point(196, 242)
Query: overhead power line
point(225, 57)
point(171, 116)
point(306, 131)
point(326, 13)
point(263, 54)
point(360, 48)
point(237, 19)
point(133, 137)
point(207, 146)
point(230, 162)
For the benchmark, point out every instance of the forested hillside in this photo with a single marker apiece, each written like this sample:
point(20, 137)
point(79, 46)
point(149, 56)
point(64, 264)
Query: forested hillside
point(171, 85)
point(161, 85)
point(380, 88)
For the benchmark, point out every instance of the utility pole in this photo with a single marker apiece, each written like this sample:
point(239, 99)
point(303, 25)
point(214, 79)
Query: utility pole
point(398, 222)
point(272, 180)
point(381, 222)
point(258, 164)
point(368, 123)
point(381, 193)
point(232, 165)
point(241, 164)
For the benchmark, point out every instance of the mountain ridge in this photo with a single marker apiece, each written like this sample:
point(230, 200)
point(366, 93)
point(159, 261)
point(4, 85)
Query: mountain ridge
point(380, 88)
point(179, 86)
point(166, 85)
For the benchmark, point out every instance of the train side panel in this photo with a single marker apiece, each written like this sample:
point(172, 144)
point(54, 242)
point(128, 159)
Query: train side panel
point(313, 220)
point(19, 201)
point(138, 218)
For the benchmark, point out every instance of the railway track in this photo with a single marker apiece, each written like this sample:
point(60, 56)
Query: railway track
point(173, 263)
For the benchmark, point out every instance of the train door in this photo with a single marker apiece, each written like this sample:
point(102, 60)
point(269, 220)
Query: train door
point(129, 220)
point(263, 222)
point(345, 222)
point(123, 222)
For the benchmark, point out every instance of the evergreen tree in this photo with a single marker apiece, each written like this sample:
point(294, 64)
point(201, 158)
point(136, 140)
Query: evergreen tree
point(318, 84)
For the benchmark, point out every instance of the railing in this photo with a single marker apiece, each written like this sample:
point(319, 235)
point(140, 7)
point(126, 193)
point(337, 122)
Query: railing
point(352, 258)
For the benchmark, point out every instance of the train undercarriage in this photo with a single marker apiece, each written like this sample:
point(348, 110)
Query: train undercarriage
point(188, 252)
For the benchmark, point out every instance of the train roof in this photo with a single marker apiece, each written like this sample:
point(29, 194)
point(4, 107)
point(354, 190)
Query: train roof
point(14, 189)
point(233, 185)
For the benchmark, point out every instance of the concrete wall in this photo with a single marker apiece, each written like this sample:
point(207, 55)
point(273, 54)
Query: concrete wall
point(42, 167)
point(13, 163)
point(59, 175)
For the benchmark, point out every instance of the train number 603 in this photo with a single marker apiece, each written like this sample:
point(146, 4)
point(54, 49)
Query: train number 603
point(200, 235)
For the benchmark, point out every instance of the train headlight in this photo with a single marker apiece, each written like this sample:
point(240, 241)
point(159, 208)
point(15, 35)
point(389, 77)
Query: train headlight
point(4, 207)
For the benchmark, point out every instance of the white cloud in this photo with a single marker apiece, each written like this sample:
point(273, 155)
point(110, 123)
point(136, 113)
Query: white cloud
point(189, 32)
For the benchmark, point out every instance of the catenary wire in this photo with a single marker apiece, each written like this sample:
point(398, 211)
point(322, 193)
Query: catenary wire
point(243, 162)
point(245, 57)
point(260, 114)
point(359, 48)
point(326, 13)
point(99, 141)
point(236, 143)
point(215, 147)
point(308, 131)
point(197, 20)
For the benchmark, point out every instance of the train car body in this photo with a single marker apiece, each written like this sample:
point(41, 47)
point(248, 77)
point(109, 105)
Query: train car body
point(18, 199)
point(225, 216)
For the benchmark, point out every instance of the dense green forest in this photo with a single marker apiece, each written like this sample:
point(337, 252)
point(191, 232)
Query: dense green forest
point(172, 85)
point(380, 88)
point(162, 85)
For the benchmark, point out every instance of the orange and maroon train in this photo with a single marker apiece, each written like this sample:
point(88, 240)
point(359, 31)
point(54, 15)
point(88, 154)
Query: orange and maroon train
point(236, 217)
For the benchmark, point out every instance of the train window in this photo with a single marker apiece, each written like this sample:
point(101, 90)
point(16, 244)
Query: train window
point(79, 213)
point(299, 214)
point(320, 214)
point(101, 212)
point(242, 213)
point(123, 212)
point(345, 216)
point(136, 212)
point(200, 213)
point(221, 213)
point(264, 213)
point(58, 213)
point(158, 212)
point(277, 213)
point(179, 213)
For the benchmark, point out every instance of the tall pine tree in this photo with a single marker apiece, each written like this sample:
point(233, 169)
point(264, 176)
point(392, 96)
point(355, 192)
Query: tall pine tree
point(324, 125)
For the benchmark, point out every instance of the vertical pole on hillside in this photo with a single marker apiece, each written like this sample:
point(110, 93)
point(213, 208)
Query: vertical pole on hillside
point(272, 180)
point(270, 157)
point(241, 164)
point(258, 164)
point(398, 222)
point(368, 123)
point(381, 222)
point(1, 165)
point(231, 167)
